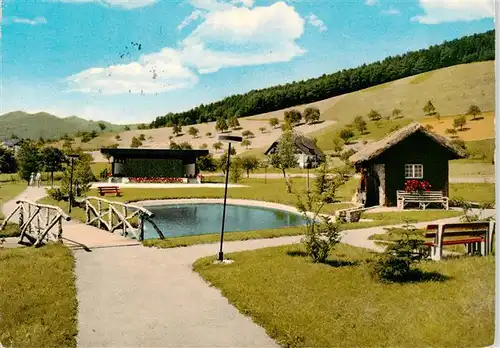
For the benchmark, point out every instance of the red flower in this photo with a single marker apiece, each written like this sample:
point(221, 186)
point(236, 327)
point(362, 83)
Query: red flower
point(417, 186)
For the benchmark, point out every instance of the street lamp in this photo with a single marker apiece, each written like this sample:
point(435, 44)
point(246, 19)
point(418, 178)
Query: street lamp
point(227, 139)
point(70, 198)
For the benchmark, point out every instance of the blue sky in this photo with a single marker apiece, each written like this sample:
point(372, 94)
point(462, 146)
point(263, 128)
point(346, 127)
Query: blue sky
point(128, 61)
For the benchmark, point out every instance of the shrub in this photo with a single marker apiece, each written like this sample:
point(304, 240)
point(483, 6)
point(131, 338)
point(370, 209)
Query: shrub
point(142, 137)
point(395, 264)
point(346, 134)
point(321, 234)
point(344, 156)
point(55, 193)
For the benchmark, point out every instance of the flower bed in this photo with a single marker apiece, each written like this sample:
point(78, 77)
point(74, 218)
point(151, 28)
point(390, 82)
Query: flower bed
point(417, 186)
point(141, 180)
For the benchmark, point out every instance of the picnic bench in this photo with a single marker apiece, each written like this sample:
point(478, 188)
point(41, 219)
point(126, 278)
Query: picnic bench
point(422, 198)
point(109, 189)
point(477, 236)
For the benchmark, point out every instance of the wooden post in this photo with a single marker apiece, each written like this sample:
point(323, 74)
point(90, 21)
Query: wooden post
point(29, 218)
point(99, 211)
point(124, 227)
point(59, 230)
point(110, 217)
point(87, 211)
point(141, 227)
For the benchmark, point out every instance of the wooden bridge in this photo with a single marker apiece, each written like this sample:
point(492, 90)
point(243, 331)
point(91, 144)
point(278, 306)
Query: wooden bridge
point(41, 223)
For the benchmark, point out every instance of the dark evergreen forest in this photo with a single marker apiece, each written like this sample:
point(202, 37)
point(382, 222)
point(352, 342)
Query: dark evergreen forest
point(468, 49)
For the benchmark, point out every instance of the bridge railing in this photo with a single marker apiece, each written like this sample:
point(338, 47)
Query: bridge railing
point(116, 216)
point(37, 222)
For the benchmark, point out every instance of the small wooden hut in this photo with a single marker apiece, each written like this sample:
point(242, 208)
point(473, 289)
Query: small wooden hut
point(410, 153)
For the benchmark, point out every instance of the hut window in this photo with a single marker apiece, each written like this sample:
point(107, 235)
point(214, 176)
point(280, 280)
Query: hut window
point(414, 171)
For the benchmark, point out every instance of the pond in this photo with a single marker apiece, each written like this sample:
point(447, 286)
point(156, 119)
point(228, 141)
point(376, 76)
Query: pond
point(204, 218)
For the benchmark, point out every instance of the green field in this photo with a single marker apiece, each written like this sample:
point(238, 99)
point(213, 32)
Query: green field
point(338, 304)
point(38, 303)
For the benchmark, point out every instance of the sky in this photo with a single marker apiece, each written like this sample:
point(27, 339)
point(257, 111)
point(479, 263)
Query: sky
point(129, 61)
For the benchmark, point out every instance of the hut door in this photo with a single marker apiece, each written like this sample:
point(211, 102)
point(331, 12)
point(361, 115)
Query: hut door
point(372, 189)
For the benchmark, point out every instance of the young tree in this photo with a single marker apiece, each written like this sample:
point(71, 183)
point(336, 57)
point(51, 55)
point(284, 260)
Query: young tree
point(249, 164)
point(206, 163)
point(203, 146)
point(102, 126)
point(246, 143)
point(429, 109)
point(174, 146)
point(327, 185)
point(8, 163)
point(193, 131)
point(262, 129)
point(135, 142)
point(142, 137)
point(233, 122)
point(221, 125)
point(337, 144)
point(126, 128)
point(321, 235)
point(82, 175)
point(286, 127)
point(346, 134)
point(217, 146)
point(451, 131)
point(185, 146)
point(293, 116)
point(397, 113)
point(473, 110)
point(208, 134)
point(374, 115)
point(311, 115)
point(53, 160)
point(177, 129)
point(460, 122)
point(235, 169)
point(360, 124)
point(28, 160)
point(284, 156)
point(274, 122)
point(247, 134)
point(118, 137)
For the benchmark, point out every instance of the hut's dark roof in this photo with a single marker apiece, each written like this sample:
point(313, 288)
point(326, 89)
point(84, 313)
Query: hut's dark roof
point(153, 153)
point(305, 145)
point(375, 149)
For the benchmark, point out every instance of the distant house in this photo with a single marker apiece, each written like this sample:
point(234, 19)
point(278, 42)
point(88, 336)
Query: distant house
point(410, 153)
point(12, 144)
point(305, 150)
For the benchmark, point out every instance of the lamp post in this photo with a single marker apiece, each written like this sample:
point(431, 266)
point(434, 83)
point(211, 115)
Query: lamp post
point(227, 139)
point(70, 198)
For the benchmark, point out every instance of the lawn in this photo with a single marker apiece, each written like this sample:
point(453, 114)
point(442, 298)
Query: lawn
point(459, 169)
point(302, 304)
point(38, 305)
point(478, 192)
point(7, 192)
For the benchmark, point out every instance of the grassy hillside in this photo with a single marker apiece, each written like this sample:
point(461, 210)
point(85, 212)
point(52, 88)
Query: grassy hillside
point(45, 125)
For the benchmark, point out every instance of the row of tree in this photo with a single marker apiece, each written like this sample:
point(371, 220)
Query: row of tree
point(474, 48)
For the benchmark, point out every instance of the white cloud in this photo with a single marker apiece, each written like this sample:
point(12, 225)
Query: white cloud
point(371, 2)
point(391, 12)
point(28, 21)
point(153, 73)
point(440, 11)
point(124, 4)
point(318, 23)
point(229, 36)
point(246, 3)
point(195, 15)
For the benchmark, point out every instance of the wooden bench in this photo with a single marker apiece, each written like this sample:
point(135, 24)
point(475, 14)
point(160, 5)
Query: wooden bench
point(423, 199)
point(477, 236)
point(109, 189)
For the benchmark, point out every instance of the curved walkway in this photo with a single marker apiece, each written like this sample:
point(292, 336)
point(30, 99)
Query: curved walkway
point(140, 296)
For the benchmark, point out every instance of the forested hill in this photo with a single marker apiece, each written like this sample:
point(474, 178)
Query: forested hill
point(468, 49)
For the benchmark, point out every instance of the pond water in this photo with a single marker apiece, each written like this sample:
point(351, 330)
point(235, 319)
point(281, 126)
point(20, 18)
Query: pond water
point(204, 218)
